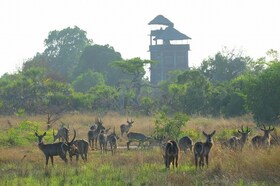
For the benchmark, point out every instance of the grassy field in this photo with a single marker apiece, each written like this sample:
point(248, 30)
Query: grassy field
point(24, 164)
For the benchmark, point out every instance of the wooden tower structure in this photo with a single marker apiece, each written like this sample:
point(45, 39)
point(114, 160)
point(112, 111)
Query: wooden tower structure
point(168, 47)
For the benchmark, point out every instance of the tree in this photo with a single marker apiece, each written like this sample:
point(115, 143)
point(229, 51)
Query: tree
point(224, 66)
point(135, 69)
point(87, 80)
point(217, 99)
point(263, 93)
point(103, 98)
point(99, 58)
point(64, 49)
point(23, 91)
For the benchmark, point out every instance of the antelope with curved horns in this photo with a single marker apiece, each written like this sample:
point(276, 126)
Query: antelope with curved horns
point(238, 143)
point(125, 127)
point(55, 149)
point(264, 140)
point(93, 133)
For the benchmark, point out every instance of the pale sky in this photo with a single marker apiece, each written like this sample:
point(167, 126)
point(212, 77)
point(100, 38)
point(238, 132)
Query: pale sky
point(251, 26)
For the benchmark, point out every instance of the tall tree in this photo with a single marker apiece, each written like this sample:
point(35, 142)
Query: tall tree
point(135, 68)
point(224, 66)
point(194, 100)
point(87, 80)
point(263, 94)
point(99, 58)
point(64, 49)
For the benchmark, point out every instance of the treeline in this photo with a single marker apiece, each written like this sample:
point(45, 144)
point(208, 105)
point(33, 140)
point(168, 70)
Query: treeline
point(74, 74)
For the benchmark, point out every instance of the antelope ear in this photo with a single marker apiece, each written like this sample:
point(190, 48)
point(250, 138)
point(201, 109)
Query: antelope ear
point(36, 134)
point(44, 133)
point(213, 133)
point(204, 133)
point(239, 131)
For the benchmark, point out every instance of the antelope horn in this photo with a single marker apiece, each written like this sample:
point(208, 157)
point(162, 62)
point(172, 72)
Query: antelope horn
point(73, 137)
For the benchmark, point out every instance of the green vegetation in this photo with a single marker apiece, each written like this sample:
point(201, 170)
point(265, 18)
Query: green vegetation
point(73, 74)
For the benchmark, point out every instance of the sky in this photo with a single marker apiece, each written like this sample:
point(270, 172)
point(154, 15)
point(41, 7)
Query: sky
point(250, 26)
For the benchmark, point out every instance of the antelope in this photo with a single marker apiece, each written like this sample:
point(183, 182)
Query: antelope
point(202, 150)
point(112, 138)
point(172, 152)
point(55, 149)
point(264, 140)
point(133, 136)
point(185, 143)
point(235, 142)
point(94, 132)
point(62, 133)
point(79, 147)
point(125, 127)
point(102, 138)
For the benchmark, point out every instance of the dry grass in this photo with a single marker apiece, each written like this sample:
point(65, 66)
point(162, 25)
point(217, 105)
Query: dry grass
point(142, 166)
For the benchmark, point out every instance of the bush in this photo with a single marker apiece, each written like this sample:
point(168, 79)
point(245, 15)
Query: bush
point(20, 135)
point(169, 128)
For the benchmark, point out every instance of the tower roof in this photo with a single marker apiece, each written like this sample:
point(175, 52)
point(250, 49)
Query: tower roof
point(171, 33)
point(161, 20)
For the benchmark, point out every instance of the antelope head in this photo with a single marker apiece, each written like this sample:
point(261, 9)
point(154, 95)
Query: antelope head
point(130, 123)
point(40, 137)
point(209, 136)
point(267, 130)
point(244, 134)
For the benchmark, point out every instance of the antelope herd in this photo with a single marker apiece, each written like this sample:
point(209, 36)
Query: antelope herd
point(170, 148)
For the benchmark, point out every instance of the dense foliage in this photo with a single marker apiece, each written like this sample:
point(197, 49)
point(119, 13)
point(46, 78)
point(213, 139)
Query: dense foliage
point(73, 74)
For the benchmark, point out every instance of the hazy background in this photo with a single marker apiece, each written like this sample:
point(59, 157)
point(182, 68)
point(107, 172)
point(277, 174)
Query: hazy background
point(247, 25)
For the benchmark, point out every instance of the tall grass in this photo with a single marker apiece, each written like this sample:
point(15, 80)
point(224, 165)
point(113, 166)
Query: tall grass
point(24, 164)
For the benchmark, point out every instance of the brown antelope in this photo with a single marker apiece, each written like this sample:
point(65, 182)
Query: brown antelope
point(94, 132)
point(238, 143)
point(102, 138)
point(172, 152)
point(125, 127)
point(56, 149)
point(62, 133)
point(264, 140)
point(133, 136)
point(79, 147)
point(185, 143)
point(112, 139)
point(202, 150)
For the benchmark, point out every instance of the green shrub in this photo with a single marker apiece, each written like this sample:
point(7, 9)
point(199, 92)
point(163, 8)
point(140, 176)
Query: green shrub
point(169, 128)
point(23, 134)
